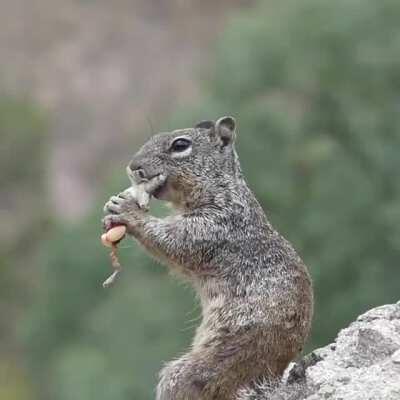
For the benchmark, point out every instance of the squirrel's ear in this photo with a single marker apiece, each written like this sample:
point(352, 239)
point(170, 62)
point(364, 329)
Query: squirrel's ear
point(225, 129)
point(205, 125)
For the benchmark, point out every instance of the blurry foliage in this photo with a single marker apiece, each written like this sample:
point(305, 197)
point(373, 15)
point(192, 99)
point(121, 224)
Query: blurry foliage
point(315, 87)
point(23, 161)
point(23, 215)
point(14, 384)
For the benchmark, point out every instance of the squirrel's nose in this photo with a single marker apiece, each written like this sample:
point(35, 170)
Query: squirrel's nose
point(135, 165)
point(140, 174)
point(137, 170)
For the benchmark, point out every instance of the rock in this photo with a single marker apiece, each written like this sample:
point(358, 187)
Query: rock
point(362, 364)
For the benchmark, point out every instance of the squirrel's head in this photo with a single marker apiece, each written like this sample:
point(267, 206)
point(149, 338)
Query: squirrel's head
point(193, 160)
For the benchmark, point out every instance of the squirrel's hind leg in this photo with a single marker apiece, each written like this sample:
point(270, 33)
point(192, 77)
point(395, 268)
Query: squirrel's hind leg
point(181, 380)
point(213, 370)
point(190, 377)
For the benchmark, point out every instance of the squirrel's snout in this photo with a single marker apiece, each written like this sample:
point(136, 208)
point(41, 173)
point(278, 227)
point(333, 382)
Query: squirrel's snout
point(135, 165)
point(139, 173)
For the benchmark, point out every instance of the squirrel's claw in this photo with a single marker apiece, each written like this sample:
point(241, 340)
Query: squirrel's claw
point(112, 220)
point(114, 205)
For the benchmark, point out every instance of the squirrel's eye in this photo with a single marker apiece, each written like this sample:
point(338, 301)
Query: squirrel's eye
point(180, 144)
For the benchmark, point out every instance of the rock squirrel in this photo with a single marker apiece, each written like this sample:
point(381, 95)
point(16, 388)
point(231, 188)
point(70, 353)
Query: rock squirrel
point(255, 291)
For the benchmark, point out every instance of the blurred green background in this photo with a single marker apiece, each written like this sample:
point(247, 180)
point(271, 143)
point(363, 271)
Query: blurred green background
point(315, 88)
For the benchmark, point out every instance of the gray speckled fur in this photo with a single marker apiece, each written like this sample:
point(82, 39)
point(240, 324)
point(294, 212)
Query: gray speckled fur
point(255, 292)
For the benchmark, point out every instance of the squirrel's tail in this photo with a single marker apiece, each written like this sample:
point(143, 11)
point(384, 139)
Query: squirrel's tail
point(291, 387)
point(272, 390)
point(260, 390)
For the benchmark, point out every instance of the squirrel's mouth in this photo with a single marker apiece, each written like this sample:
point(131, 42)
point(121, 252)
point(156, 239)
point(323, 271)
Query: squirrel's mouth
point(160, 191)
point(136, 178)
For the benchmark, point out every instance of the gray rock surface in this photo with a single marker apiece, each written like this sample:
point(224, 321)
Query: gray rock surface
point(362, 364)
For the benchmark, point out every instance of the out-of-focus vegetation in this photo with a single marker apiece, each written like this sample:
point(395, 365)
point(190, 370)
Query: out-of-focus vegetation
point(23, 217)
point(315, 87)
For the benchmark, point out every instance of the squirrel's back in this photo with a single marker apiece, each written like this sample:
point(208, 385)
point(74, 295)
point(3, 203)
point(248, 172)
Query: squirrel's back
point(258, 299)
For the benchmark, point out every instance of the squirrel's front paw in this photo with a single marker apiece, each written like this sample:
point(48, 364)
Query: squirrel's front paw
point(122, 210)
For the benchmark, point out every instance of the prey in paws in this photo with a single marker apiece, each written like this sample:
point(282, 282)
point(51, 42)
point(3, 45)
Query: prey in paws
point(124, 211)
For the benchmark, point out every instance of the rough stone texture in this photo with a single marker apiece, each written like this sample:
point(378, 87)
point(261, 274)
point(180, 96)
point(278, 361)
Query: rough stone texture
point(362, 364)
